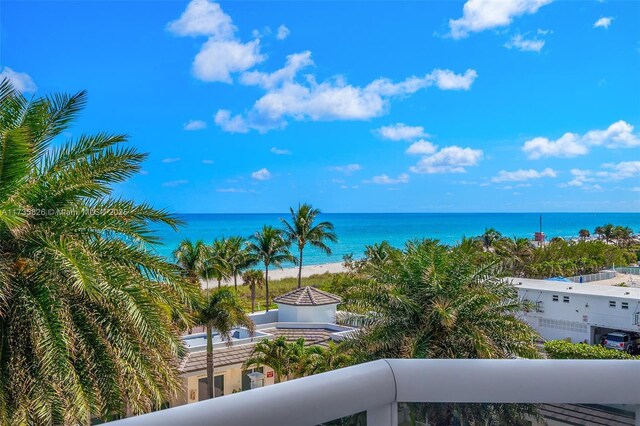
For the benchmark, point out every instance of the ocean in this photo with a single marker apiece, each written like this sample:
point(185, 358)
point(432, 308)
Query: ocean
point(355, 230)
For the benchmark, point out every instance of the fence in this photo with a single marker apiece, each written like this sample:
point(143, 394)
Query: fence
point(634, 270)
point(602, 275)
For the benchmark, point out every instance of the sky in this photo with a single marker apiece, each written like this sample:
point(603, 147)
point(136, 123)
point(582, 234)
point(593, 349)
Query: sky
point(422, 106)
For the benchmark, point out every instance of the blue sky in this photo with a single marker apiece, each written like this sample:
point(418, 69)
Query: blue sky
point(523, 105)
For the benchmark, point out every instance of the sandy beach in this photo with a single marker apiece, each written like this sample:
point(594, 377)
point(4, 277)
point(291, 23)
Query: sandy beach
point(277, 274)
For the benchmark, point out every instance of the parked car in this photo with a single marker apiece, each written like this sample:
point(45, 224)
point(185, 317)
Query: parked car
point(622, 341)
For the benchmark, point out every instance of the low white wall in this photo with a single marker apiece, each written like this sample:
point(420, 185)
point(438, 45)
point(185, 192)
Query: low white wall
point(322, 313)
point(264, 317)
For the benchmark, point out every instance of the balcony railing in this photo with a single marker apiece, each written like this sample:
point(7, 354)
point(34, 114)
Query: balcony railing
point(376, 387)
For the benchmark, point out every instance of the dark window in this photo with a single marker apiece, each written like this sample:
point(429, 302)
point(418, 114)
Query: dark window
point(565, 299)
point(218, 387)
point(555, 297)
point(612, 303)
point(624, 305)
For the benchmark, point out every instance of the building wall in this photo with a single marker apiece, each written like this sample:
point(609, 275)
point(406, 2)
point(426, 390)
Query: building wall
point(232, 382)
point(318, 314)
point(574, 318)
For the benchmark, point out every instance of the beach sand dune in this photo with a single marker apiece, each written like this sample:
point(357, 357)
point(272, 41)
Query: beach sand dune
point(278, 274)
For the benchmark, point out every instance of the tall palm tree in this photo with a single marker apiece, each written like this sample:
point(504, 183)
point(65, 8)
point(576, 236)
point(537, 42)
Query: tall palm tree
point(238, 257)
point(515, 252)
point(87, 308)
point(222, 312)
point(217, 264)
point(584, 234)
point(253, 279)
point(269, 247)
point(432, 301)
point(303, 230)
point(191, 258)
point(606, 232)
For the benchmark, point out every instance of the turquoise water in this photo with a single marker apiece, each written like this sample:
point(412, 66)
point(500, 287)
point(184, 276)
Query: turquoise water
point(355, 230)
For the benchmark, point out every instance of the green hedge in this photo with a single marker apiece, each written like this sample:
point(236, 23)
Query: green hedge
point(561, 349)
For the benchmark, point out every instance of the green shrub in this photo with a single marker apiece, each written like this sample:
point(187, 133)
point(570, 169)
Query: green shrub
point(561, 349)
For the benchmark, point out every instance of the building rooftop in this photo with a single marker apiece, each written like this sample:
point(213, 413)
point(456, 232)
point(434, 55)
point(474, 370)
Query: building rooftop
point(576, 288)
point(307, 296)
point(197, 361)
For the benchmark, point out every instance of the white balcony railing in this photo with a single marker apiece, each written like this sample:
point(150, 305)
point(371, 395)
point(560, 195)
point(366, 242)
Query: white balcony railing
point(376, 387)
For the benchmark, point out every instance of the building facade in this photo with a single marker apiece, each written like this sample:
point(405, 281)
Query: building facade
point(579, 312)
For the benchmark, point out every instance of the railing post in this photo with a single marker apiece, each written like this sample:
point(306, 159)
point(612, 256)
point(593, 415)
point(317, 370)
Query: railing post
point(385, 415)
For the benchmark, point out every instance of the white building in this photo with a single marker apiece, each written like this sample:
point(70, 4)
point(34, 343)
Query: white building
point(579, 312)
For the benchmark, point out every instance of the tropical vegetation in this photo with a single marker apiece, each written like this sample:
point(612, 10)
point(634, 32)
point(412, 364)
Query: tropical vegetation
point(303, 230)
point(88, 311)
point(269, 247)
point(562, 349)
point(222, 312)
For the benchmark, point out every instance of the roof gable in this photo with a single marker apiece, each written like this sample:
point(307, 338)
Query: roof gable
point(307, 296)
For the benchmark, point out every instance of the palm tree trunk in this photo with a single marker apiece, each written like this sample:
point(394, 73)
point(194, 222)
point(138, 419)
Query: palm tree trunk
point(219, 280)
point(300, 270)
point(266, 285)
point(235, 281)
point(253, 298)
point(209, 363)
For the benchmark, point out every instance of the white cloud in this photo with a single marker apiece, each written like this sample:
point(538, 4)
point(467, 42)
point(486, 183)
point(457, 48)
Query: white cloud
point(218, 59)
point(451, 159)
point(603, 22)
point(524, 45)
point(279, 151)
point(635, 189)
point(235, 190)
point(207, 161)
point(617, 135)
point(223, 53)
point(346, 169)
point(480, 15)
point(421, 147)
point(235, 124)
point(171, 160)
point(401, 132)
point(611, 172)
point(295, 62)
point(333, 99)
point(522, 175)
point(175, 183)
point(195, 125)
point(203, 18)
point(283, 32)
point(21, 81)
point(386, 180)
point(262, 174)
point(448, 80)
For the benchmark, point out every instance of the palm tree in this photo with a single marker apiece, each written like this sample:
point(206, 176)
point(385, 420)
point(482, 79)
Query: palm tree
point(238, 257)
point(379, 253)
point(605, 232)
point(303, 230)
point(253, 279)
point(217, 263)
point(432, 301)
point(277, 354)
point(222, 312)
point(584, 234)
point(320, 359)
point(489, 237)
point(515, 252)
point(191, 258)
point(87, 308)
point(268, 246)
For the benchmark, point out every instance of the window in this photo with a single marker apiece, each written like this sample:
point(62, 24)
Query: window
point(218, 387)
point(624, 305)
point(636, 318)
point(539, 306)
point(555, 297)
point(565, 299)
point(612, 303)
